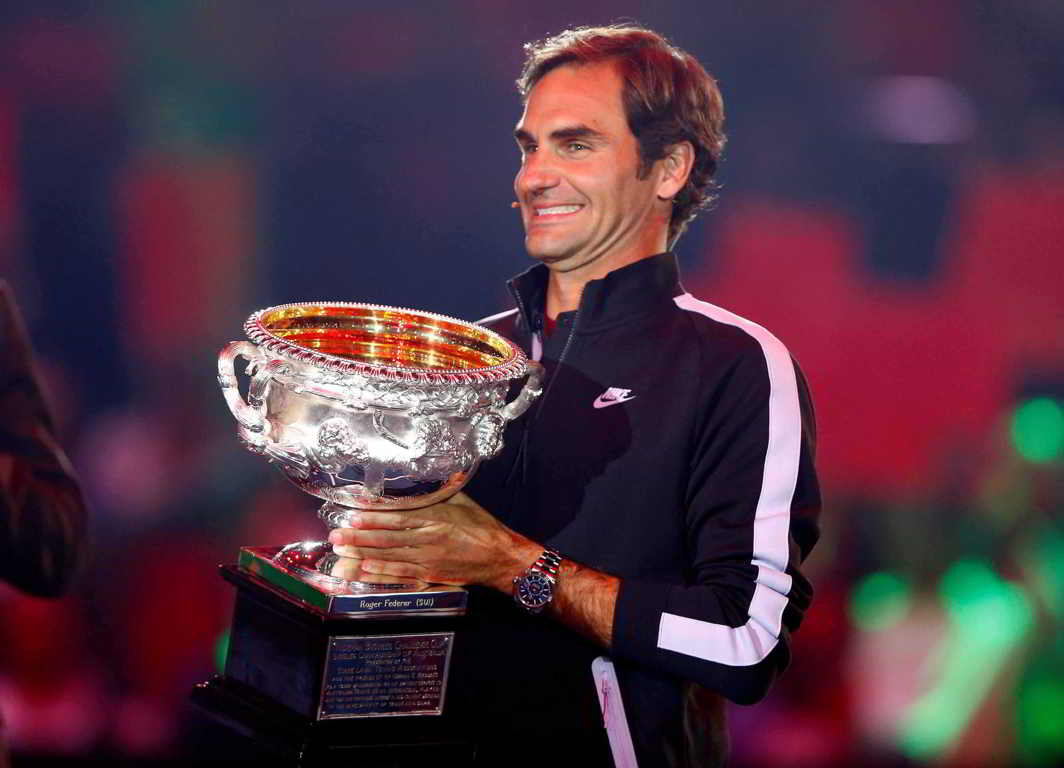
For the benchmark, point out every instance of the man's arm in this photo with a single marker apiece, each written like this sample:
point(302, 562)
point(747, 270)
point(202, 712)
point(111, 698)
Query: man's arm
point(751, 518)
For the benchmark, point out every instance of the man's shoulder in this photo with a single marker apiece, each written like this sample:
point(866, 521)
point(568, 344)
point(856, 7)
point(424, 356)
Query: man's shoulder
point(726, 332)
point(746, 352)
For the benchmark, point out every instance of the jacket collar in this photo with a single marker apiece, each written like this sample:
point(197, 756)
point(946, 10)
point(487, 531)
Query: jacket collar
point(621, 295)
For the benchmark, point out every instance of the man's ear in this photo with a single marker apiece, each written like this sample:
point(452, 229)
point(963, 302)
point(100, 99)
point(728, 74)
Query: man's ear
point(676, 167)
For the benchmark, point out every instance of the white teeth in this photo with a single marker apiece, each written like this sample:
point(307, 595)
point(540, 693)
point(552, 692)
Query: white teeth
point(558, 209)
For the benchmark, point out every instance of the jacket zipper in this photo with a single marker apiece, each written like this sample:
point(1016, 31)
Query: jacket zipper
point(558, 365)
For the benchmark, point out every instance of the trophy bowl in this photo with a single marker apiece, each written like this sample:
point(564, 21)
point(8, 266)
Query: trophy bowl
point(372, 407)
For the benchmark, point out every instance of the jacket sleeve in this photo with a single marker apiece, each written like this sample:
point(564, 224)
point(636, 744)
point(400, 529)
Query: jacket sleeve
point(42, 514)
point(751, 518)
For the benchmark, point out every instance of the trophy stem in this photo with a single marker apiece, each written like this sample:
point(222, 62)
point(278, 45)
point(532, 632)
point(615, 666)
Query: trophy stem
point(373, 484)
point(334, 515)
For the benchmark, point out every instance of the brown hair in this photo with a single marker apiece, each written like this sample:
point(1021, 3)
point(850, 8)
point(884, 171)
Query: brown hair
point(668, 98)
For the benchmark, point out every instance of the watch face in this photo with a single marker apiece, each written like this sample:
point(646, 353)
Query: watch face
point(534, 590)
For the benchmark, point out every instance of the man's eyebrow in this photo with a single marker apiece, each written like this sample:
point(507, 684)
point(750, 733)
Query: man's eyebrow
point(576, 132)
point(562, 134)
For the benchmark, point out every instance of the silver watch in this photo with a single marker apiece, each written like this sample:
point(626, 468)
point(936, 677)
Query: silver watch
point(534, 589)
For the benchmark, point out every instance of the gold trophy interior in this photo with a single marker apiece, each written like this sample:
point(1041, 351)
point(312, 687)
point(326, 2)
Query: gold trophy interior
point(387, 336)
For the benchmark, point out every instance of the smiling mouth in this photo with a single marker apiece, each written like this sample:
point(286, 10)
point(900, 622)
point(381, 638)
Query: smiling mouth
point(557, 210)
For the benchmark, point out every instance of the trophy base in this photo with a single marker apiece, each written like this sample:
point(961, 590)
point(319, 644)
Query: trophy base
point(334, 666)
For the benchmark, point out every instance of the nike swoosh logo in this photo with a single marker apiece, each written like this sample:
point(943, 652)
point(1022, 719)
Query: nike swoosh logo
point(613, 396)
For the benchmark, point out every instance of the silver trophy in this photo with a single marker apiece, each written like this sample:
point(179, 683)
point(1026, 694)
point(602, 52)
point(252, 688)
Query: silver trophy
point(371, 407)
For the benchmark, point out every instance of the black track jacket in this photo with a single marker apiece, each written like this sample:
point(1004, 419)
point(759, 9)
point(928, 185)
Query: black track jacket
point(672, 447)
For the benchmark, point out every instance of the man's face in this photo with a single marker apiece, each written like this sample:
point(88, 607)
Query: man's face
point(581, 200)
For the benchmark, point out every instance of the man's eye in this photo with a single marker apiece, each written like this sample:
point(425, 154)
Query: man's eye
point(576, 146)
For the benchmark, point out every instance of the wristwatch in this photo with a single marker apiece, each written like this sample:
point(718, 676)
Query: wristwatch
point(534, 589)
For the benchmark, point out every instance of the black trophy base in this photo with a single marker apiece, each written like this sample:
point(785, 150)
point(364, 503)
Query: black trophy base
point(308, 684)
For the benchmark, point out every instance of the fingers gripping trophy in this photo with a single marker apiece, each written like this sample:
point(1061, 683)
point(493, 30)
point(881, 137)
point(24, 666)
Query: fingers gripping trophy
point(371, 407)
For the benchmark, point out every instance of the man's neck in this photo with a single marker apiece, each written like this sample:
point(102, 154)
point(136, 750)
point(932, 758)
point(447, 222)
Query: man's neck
point(563, 293)
point(564, 289)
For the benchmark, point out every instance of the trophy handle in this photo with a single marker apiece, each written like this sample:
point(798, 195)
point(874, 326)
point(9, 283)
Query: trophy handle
point(248, 416)
point(529, 392)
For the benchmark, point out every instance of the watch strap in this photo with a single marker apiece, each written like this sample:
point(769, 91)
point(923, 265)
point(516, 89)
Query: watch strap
point(548, 564)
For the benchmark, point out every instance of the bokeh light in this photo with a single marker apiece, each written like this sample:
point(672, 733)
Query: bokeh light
point(221, 651)
point(988, 618)
point(1040, 720)
point(880, 600)
point(1037, 429)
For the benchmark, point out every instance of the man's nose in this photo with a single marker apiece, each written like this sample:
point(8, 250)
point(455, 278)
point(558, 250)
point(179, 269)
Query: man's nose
point(538, 172)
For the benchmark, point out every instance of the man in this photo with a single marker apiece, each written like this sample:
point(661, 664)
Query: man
point(659, 496)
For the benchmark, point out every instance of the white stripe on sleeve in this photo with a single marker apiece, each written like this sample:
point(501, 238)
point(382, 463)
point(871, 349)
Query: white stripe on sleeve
point(752, 642)
point(493, 318)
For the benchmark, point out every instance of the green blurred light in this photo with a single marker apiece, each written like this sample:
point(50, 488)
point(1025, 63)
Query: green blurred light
point(879, 601)
point(1037, 429)
point(983, 603)
point(989, 618)
point(966, 583)
point(1044, 562)
point(1040, 718)
point(221, 651)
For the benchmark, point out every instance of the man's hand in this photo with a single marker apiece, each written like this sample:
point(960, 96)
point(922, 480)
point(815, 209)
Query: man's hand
point(455, 542)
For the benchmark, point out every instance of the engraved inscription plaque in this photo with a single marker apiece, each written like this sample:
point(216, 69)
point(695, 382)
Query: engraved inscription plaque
point(385, 675)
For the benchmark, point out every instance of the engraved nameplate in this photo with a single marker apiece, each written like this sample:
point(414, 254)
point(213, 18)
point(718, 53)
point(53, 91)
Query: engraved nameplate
point(385, 675)
point(443, 601)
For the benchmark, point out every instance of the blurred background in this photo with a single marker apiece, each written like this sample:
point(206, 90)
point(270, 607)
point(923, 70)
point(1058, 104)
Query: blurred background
point(891, 208)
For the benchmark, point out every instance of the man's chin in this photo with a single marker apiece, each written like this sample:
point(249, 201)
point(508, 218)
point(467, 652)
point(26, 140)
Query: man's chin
point(562, 262)
point(556, 261)
point(546, 253)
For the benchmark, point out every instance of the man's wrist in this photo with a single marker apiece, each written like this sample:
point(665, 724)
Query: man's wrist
point(520, 555)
